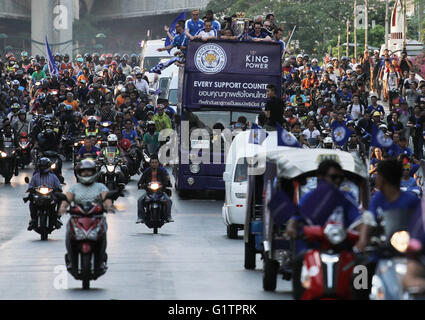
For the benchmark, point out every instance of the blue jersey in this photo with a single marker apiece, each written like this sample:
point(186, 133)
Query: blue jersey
point(130, 136)
point(379, 204)
point(194, 26)
point(49, 180)
point(261, 36)
point(379, 108)
point(83, 150)
point(180, 40)
point(216, 25)
point(410, 183)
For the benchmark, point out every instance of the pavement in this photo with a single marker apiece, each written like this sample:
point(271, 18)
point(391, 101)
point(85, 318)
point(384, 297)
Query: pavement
point(190, 258)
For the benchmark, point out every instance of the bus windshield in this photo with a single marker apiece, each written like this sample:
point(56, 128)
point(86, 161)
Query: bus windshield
point(150, 62)
point(216, 119)
point(172, 97)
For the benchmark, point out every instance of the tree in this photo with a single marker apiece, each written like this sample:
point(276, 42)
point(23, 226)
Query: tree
point(318, 21)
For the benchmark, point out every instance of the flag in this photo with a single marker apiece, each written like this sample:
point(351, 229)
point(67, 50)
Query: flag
point(172, 30)
point(53, 68)
point(341, 134)
point(257, 135)
point(380, 140)
point(162, 66)
point(281, 207)
point(285, 138)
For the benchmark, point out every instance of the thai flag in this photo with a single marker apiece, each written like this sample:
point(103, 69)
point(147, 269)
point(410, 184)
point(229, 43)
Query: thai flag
point(172, 30)
point(53, 68)
point(257, 135)
point(341, 134)
point(285, 138)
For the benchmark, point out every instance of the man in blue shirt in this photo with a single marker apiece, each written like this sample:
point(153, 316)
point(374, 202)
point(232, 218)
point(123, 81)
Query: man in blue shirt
point(129, 132)
point(193, 25)
point(258, 35)
point(180, 40)
point(375, 106)
point(277, 36)
point(210, 17)
point(43, 177)
point(88, 150)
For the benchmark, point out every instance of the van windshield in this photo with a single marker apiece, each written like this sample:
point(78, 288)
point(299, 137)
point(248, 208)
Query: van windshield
point(150, 62)
point(172, 97)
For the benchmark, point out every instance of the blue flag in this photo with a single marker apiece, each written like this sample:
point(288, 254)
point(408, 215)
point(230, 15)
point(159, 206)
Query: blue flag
point(257, 135)
point(285, 138)
point(172, 30)
point(281, 207)
point(53, 68)
point(341, 134)
point(161, 66)
point(380, 140)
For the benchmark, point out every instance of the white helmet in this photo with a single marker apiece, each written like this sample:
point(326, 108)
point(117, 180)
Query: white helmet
point(112, 138)
point(327, 143)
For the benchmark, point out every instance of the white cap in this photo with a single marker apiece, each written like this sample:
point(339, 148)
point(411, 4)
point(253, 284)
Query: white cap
point(300, 56)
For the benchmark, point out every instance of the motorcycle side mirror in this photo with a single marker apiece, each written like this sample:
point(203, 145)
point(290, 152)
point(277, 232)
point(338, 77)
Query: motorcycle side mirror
point(61, 196)
point(27, 180)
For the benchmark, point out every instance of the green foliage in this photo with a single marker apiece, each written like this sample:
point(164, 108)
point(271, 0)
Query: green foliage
point(318, 21)
point(85, 31)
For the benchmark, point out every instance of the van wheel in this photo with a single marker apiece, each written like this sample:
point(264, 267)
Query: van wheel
point(232, 231)
point(250, 252)
point(270, 269)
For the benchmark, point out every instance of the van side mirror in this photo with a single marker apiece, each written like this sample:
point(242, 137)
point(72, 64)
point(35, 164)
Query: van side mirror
point(227, 176)
point(27, 180)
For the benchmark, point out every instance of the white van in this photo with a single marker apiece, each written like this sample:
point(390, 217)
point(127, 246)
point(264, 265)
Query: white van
point(151, 57)
point(236, 178)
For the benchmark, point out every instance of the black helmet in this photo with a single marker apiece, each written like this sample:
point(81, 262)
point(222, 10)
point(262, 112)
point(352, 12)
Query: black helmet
point(22, 111)
point(149, 107)
point(86, 165)
point(91, 102)
point(92, 121)
point(44, 165)
point(66, 56)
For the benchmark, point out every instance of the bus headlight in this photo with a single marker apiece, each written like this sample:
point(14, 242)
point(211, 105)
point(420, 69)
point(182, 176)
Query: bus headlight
point(190, 181)
point(194, 168)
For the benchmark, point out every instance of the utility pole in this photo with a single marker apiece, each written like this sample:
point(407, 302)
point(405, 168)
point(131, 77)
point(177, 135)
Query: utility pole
point(339, 46)
point(386, 24)
point(366, 23)
point(404, 10)
point(348, 38)
point(355, 29)
point(420, 18)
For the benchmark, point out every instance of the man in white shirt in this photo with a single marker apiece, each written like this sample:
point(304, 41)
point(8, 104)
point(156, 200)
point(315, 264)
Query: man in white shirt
point(141, 84)
point(207, 33)
point(311, 132)
point(356, 109)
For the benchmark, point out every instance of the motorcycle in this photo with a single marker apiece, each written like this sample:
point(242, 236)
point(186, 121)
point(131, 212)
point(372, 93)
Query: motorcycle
point(8, 161)
point(325, 273)
point(155, 206)
point(78, 143)
point(87, 230)
point(24, 150)
point(45, 201)
point(109, 174)
point(67, 147)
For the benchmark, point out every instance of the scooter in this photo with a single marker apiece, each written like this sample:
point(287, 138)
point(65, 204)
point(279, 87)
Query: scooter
point(87, 231)
point(56, 165)
point(325, 273)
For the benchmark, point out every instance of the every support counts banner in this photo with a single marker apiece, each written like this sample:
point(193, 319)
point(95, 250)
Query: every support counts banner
point(230, 73)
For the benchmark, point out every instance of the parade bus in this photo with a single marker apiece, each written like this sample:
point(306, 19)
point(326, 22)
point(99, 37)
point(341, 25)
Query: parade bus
point(221, 81)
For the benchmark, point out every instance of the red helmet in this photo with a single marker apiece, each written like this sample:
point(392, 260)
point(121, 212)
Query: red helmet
point(125, 144)
point(113, 63)
point(24, 135)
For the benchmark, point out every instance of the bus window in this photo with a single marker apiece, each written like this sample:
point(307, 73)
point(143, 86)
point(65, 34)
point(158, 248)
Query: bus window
point(241, 171)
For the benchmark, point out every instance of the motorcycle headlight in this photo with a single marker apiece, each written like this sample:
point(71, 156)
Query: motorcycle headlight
point(194, 168)
point(3, 154)
point(53, 166)
point(400, 240)
point(44, 190)
point(335, 233)
point(110, 168)
point(154, 186)
point(75, 144)
point(377, 291)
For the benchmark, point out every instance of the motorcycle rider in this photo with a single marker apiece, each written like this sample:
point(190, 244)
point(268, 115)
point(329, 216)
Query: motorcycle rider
point(43, 177)
point(154, 173)
point(112, 149)
point(8, 134)
point(22, 124)
point(86, 190)
point(91, 129)
point(88, 149)
point(150, 138)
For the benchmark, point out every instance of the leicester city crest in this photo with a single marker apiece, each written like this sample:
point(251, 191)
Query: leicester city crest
point(210, 58)
point(383, 140)
point(288, 139)
point(339, 134)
